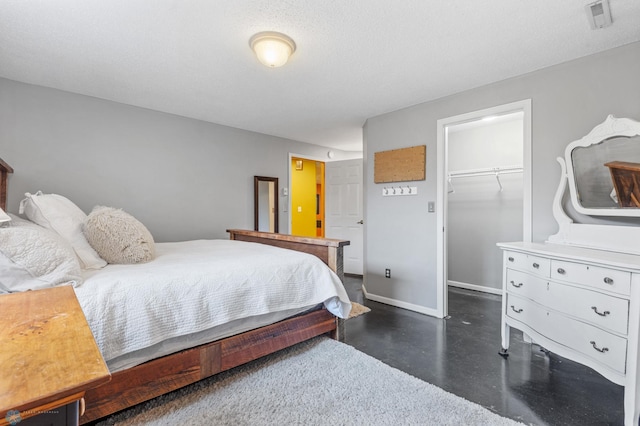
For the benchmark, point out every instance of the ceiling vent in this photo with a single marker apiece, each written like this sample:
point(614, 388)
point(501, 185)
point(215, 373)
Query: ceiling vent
point(599, 14)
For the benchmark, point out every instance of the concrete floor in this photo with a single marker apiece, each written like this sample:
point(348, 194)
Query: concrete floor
point(460, 355)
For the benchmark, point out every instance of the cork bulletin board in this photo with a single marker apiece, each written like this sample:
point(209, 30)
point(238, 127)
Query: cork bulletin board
point(400, 165)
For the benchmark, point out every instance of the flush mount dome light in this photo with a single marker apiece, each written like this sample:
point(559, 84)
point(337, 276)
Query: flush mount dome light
point(272, 49)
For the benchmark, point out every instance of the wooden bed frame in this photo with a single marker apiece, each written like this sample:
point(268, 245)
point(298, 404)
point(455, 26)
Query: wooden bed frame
point(162, 375)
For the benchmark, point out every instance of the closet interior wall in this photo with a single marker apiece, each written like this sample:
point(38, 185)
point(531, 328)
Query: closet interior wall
point(485, 199)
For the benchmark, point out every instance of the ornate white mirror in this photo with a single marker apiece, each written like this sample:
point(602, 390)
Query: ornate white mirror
point(603, 169)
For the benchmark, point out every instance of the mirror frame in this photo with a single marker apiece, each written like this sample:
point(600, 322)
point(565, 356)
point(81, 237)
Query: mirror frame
point(612, 127)
point(256, 184)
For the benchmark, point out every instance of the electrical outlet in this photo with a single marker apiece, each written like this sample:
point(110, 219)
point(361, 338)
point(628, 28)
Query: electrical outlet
point(387, 273)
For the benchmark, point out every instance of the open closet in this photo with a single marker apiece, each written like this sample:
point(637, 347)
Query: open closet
point(484, 198)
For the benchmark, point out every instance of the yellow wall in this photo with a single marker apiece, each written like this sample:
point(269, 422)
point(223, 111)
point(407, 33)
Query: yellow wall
point(303, 198)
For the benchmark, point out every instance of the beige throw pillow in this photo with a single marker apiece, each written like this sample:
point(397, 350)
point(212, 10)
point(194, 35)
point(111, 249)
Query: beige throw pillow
point(118, 237)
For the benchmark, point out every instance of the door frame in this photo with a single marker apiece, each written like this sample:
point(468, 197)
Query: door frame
point(442, 194)
point(288, 204)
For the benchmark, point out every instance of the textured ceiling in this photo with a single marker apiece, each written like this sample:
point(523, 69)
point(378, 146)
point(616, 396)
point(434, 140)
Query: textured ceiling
point(355, 59)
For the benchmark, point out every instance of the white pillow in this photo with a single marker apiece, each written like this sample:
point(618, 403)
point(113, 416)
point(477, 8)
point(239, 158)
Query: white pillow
point(32, 257)
point(60, 215)
point(4, 217)
point(118, 237)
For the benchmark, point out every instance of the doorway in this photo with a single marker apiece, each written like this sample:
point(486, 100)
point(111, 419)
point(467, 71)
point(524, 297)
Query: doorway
point(307, 197)
point(446, 184)
point(484, 198)
point(338, 194)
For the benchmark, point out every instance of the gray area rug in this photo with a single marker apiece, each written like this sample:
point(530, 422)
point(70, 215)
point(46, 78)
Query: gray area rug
point(320, 382)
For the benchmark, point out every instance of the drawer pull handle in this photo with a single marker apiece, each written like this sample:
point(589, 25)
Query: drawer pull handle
point(516, 285)
point(602, 314)
point(561, 271)
point(517, 311)
point(536, 265)
point(608, 280)
point(511, 259)
point(603, 350)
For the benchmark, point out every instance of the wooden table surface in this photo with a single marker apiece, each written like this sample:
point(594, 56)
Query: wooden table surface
point(48, 356)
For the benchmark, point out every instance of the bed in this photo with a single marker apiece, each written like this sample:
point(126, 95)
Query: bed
point(162, 367)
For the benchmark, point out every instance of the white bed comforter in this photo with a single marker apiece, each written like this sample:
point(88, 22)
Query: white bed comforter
point(195, 285)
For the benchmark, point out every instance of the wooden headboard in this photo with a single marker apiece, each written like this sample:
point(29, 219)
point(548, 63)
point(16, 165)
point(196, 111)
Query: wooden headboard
point(5, 169)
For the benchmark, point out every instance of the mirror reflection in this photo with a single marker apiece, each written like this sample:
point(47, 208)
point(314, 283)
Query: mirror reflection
point(604, 173)
point(265, 204)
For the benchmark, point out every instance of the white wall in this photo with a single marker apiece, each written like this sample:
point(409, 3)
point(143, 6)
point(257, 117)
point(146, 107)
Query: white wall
point(479, 215)
point(568, 100)
point(183, 178)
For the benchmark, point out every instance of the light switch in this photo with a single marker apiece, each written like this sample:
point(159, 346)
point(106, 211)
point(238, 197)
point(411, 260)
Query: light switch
point(432, 206)
point(299, 209)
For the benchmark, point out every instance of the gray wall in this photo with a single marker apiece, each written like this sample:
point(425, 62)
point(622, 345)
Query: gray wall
point(478, 213)
point(182, 178)
point(568, 100)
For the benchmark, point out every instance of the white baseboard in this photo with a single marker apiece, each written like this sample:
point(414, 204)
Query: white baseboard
point(400, 304)
point(475, 287)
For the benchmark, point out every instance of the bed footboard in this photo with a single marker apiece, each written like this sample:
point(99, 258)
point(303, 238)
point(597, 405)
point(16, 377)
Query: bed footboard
point(330, 251)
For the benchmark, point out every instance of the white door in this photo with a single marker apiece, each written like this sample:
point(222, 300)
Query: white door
point(343, 210)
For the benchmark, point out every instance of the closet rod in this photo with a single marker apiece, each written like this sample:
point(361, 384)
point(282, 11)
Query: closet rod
point(489, 171)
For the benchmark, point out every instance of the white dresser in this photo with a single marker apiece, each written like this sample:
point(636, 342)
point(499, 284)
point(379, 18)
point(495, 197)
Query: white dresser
point(582, 304)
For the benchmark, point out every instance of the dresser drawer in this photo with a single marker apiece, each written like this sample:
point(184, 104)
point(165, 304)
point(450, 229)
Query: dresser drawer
point(601, 346)
point(527, 262)
point(601, 310)
point(591, 341)
point(528, 312)
point(526, 285)
point(593, 276)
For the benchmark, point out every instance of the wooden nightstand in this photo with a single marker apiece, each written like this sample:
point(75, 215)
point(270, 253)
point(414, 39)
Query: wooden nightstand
point(48, 357)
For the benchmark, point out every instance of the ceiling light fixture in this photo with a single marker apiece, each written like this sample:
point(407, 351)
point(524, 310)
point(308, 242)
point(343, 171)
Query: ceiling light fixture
point(272, 49)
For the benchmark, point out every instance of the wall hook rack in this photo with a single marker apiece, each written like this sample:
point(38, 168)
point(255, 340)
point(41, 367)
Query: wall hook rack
point(393, 191)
